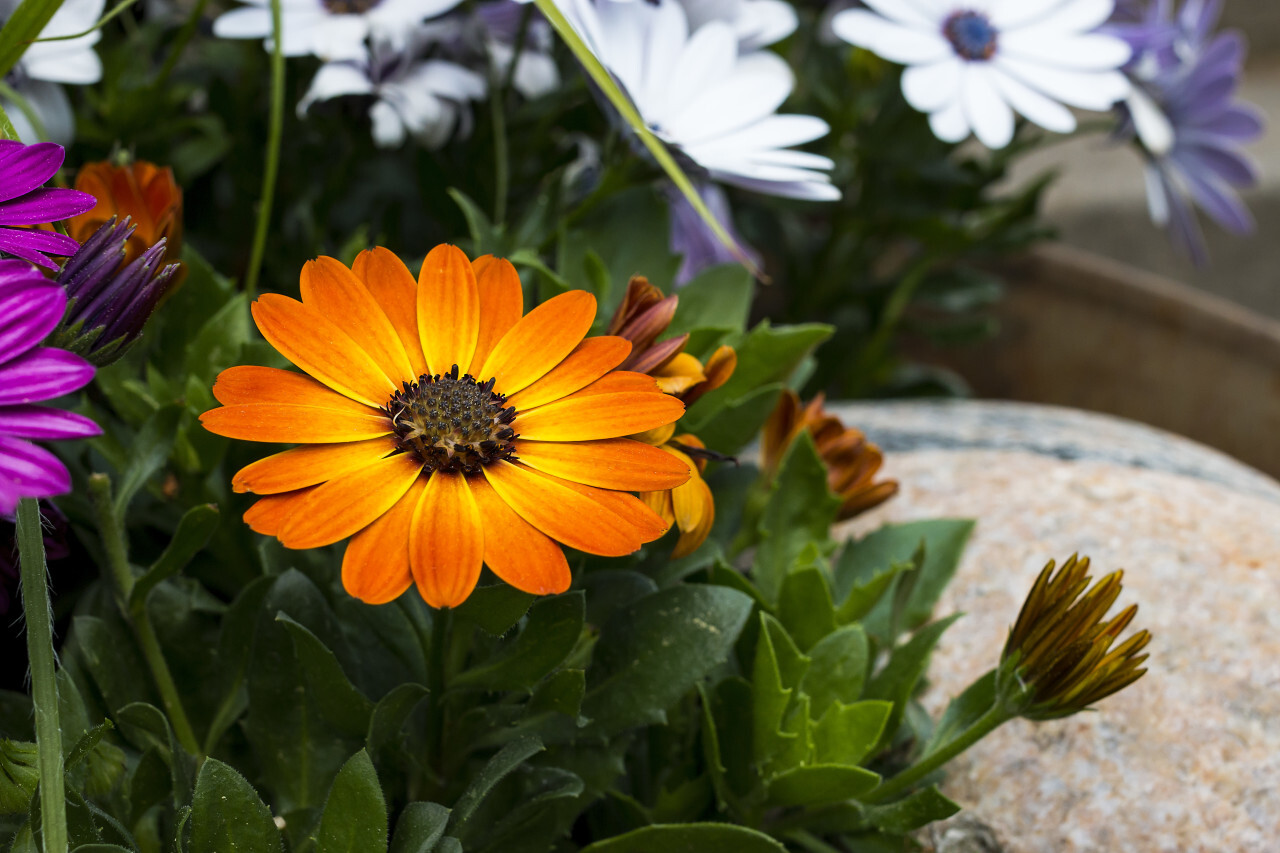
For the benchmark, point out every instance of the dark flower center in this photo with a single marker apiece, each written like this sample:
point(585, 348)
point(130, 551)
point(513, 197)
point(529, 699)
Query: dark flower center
point(349, 7)
point(452, 423)
point(971, 34)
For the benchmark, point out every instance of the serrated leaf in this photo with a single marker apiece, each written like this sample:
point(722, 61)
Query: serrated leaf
point(846, 734)
point(689, 838)
point(911, 812)
point(804, 605)
point(227, 814)
point(897, 681)
point(551, 632)
point(654, 653)
point(837, 669)
point(820, 785)
point(355, 813)
point(779, 711)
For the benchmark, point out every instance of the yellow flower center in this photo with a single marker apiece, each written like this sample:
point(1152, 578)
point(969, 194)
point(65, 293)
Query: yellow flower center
point(452, 423)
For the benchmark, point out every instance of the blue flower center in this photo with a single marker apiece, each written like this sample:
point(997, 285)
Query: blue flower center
point(971, 34)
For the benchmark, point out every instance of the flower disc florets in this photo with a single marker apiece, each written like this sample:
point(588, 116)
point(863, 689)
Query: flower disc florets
point(971, 34)
point(452, 423)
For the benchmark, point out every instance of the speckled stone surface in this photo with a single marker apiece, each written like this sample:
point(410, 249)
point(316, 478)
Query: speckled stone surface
point(1188, 759)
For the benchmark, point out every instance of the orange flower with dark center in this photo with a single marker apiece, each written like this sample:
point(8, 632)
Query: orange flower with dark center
point(852, 462)
point(144, 192)
point(444, 429)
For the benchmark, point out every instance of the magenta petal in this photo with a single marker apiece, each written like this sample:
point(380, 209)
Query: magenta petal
point(31, 471)
point(31, 245)
point(44, 423)
point(29, 310)
point(42, 374)
point(49, 204)
point(9, 494)
point(25, 167)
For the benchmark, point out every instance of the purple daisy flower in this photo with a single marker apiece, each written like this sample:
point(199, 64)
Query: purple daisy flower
point(31, 307)
point(1185, 118)
point(24, 200)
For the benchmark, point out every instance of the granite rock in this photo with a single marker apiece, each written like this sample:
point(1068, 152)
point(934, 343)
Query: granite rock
point(1187, 759)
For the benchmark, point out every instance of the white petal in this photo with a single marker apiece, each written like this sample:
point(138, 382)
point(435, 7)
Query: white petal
point(50, 105)
point(764, 22)
point(892, 41)
point(988, 114)
point(815, 189)
point(388, 129)
point(772, 132)
point(949, 123)
point(1157, 198)
point(1043, 111)
point(243, 23)
point(334, 80)
point(667, 37)
point(909, 12)
point(1008, 14)
point(932, 87)
point(68, 66)
point(758, 85)
point(448, 79)
point(707, 58)
point(1090, 90)
point(1051, 47)
point(335, 38)
point(1152, 125)
point(623, 27)
point(74, 16)
point(1078, 16)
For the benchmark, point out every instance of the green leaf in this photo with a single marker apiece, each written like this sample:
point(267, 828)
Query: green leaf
point(227, 815)
point(727, 738)
point(964, 710)
point(495, 608)
point(838, 667)
point(863, 597)
point(220, 340)
point(420, 828)
point(193, 533)
point(485, 238)
point(560, 693)
point(717, 300)
point(345, 707)
point(149, 453)
point(495, 770)
point(389, 715)
point(912, 812)
point(846, 734)
point(101, 848)
point(800, 512)
point(19, 776)
point(146, 726)
point(781, 730)
point(23, 25)
point(944, 541)
point(355, 814)
point(804, 606)
point(819, 785)
point(688, 838)
point(551, 632)
point(907, 664)
point(655, 652)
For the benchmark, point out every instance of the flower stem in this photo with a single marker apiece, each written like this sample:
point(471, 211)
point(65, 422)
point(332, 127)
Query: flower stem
point(135, 612)
point(501, 161)
point(180, 42)
point(44, 684)
point(436, 658)
point(981, 727)
point(274, 132)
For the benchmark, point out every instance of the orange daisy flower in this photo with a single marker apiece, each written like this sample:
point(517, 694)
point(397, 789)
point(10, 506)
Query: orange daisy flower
point(143, 191)
point(444, 429)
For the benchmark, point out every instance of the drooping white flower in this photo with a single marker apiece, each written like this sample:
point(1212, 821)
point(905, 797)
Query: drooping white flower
point(974, 63)
point(45, 65)
point(423, 99)
point(758, 23)
point(334, 30)
point(704, 98)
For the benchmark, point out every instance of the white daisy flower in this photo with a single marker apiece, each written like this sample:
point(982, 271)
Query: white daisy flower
point(334, 30)
point(46, 65)
point(426, 100)
point(758, 23)
point(973, 63)
point(712, 104)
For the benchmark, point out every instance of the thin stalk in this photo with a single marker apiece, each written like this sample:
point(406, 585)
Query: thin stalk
point(180, 42)
point(44, 684)
point(274, 131)
point(436, 657)
point(102, 22)
point(501, 157)
point(982, 727)
point(24, 106)
point(112, 533)
point(7, 130)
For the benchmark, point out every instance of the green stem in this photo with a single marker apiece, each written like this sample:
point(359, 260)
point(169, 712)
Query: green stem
point(982, 727)
point(44, 683)
point(501, 161)
point(180, 42)
point(7, 130)
point(436, 657)
point(102, 22)
point(274, 132)
point(112, 533)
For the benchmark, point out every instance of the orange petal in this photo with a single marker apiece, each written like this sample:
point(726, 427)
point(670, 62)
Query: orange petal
point(618, 381)
point(348, 504)
point(598, 416)
point(501, 305)
point(448, 309)
point(659, 503)
point(589, 361)
point(719, 368)
point(691, 539)
point(515, 550)
point(250, 384)
point(647, 525)
point(336, 292)
point(562, 513)
point(686, 499)
point(612, 463)
point(541, 340)
point(285, 424)
point(269, 513)
point(395, 289)
point(309, 466)
point(313, 342)
point(657, 436)
point(446, 541)
point(375, 568)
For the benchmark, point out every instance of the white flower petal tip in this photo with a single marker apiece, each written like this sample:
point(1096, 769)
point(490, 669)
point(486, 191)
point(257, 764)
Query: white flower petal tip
point(975, 64)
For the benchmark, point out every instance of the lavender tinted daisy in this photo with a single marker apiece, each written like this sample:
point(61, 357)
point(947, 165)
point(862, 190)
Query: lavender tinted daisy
point(24, 201)
point(694, 242)
point(31, 307)
point(1185, 118)
point(111, 301)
